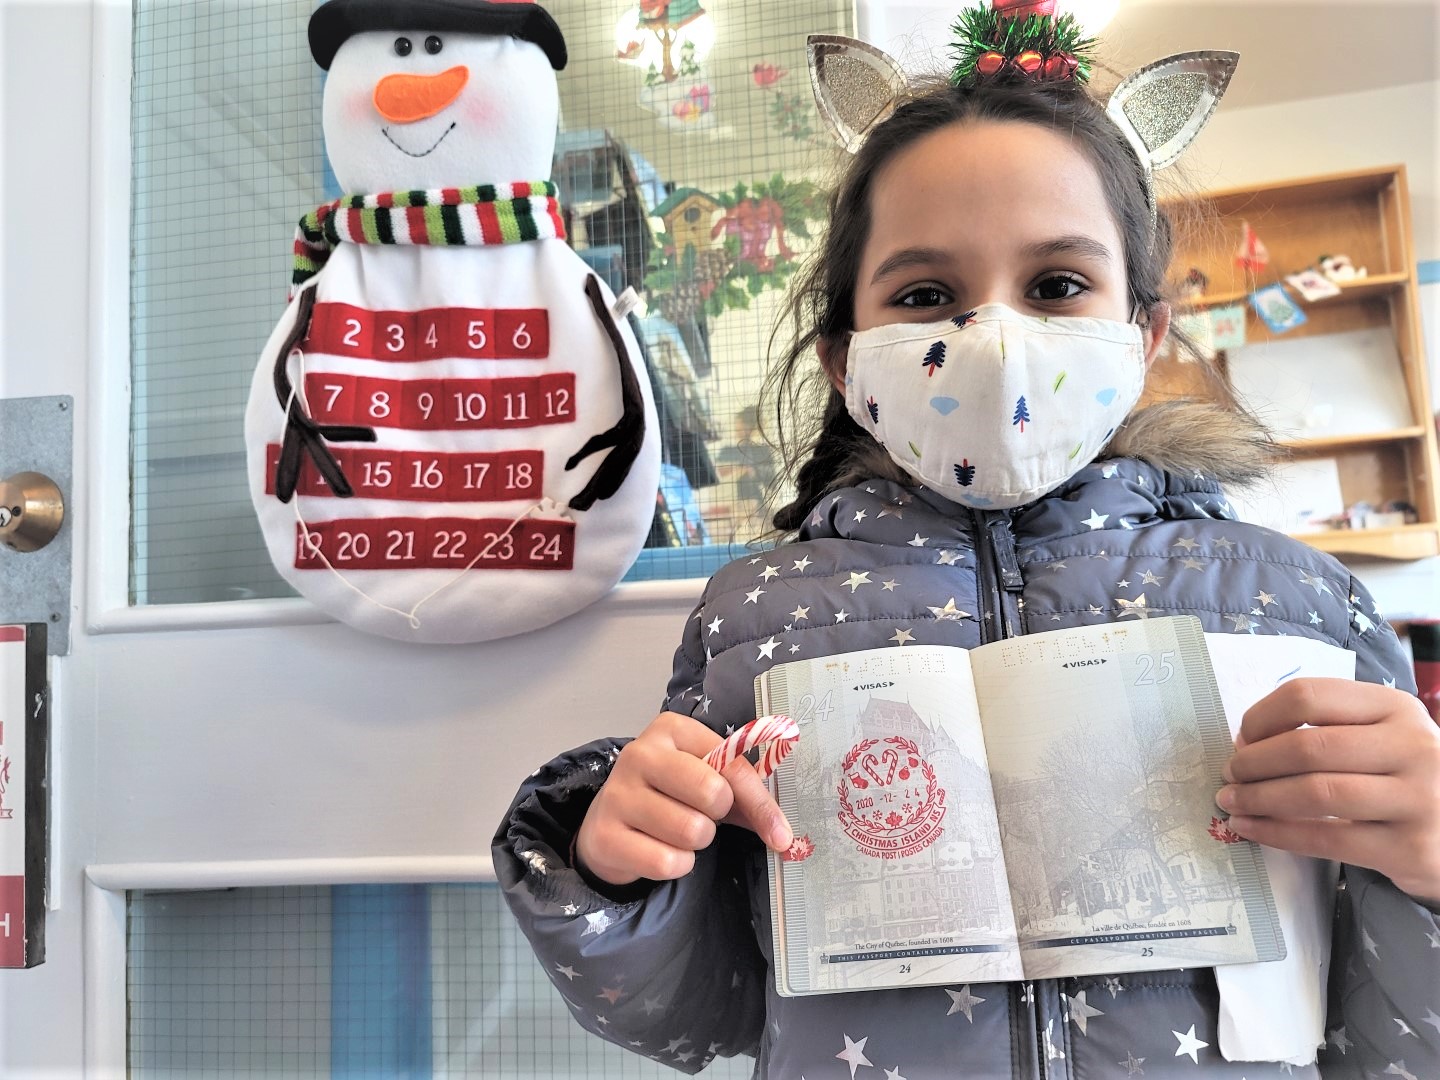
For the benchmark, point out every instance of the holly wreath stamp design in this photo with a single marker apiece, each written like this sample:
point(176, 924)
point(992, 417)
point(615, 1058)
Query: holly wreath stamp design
point(891, 803)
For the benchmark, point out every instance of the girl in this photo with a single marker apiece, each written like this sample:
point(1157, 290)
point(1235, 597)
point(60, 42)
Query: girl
point(988, 206)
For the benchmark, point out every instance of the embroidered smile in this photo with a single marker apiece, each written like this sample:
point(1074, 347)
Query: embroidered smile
point(409, 153)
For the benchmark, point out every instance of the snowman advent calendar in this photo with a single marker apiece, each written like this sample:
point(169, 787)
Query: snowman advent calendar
point(450, 433)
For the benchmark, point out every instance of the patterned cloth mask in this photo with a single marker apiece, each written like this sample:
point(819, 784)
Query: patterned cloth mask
point(993, 409)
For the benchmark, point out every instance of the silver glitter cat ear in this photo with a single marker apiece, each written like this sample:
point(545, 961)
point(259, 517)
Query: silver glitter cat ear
point(856, 86)
point(1162, 107)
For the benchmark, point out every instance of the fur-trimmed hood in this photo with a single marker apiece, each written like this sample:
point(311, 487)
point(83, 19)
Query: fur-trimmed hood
point(1180, 437)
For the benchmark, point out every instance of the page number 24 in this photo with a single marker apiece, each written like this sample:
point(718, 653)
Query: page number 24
point(1155, 671)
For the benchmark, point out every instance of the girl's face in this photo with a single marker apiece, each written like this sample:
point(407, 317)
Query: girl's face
point(991, 212)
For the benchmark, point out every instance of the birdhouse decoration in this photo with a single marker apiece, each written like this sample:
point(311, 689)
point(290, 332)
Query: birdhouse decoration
point(689, 216)
point(666, 37)
point(450, 434)
point(669, 40)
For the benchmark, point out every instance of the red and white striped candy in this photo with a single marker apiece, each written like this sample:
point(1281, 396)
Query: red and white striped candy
point(778, 734)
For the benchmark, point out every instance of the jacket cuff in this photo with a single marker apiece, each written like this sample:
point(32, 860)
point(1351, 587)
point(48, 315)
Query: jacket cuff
point(534, 847)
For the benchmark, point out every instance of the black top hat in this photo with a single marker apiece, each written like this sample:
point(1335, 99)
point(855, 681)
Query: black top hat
point(335, 21)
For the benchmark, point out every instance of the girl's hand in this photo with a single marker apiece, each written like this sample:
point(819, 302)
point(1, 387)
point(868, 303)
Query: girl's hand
point(1361, 785)
point(661, 803)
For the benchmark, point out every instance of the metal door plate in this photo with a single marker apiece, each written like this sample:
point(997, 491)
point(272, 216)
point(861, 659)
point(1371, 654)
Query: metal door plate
point(38, 435)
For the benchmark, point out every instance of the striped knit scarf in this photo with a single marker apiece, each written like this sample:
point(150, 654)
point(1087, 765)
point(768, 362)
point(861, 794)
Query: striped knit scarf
point(488, 214)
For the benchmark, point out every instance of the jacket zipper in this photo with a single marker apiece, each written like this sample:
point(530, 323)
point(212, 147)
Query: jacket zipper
point(1000, 581)
point(1001, 603)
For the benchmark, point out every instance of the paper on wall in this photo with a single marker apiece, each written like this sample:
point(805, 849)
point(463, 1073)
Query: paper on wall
point(1324, 385)
point(1298, 497)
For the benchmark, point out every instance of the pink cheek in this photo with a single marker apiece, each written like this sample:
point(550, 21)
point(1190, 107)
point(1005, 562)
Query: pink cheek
point(477, 113)
point(361, 107)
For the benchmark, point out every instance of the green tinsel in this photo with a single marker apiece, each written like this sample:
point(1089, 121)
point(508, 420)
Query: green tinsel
point(980, 30)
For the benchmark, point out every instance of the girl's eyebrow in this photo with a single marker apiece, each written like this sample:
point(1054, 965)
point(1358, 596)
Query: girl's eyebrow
point(916, 256)
point(1083, 246)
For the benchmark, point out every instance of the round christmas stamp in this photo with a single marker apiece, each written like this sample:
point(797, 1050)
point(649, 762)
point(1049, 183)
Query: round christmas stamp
point(891, 803)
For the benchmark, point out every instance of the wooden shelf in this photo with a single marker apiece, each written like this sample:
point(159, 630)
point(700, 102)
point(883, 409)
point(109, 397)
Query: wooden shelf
point(1375, 285)
point(1408, 542)
point(1351, 185)
point(1341, 442)
point(1366, 215)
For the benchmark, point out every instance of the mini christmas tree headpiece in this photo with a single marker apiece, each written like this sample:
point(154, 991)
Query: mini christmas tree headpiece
point(1160, 108)
point(1023, 39)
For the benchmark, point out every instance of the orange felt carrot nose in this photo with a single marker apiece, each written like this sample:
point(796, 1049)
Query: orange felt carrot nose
point(404, 99)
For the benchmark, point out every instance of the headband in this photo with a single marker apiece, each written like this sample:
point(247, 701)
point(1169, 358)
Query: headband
point(1160, 108)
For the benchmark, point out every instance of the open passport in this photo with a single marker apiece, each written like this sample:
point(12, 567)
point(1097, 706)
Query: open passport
point(1038, 807)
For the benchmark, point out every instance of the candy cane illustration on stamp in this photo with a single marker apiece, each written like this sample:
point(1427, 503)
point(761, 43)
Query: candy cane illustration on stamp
point(891, 802)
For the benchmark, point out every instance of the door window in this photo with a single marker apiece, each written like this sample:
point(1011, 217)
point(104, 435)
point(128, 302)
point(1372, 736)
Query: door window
point(405, 980)
point(689, 160)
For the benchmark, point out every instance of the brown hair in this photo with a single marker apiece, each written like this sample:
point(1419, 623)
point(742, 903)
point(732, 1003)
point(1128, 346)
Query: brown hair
point(822, 300)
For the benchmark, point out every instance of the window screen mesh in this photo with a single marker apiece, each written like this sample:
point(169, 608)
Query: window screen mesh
point(354, 981)
point(692, 180)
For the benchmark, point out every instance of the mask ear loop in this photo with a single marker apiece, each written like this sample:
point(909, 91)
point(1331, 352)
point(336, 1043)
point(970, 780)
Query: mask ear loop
point(412, 616)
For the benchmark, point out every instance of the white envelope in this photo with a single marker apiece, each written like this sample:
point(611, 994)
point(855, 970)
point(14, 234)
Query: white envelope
point(1276, 1011)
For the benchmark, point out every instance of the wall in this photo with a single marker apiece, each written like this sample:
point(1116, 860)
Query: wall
point(1331, 134)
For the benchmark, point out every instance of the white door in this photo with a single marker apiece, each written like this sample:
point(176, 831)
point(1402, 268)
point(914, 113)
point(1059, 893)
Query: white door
point(231, 743)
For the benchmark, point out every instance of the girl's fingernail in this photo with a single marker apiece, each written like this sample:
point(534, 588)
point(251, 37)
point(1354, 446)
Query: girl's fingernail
point(781, 837)
point(1225, 798)
point(1228, 773)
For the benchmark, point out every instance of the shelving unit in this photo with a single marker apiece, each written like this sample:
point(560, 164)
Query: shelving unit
point(1366, 215)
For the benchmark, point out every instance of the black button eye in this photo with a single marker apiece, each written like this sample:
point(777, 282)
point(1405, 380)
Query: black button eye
point(433, 44)
point(403, 46)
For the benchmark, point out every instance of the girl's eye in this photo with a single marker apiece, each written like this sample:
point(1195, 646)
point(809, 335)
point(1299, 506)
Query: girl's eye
point(1059, 288)
point(433, 44)
point(927, 296)
point(403, 46)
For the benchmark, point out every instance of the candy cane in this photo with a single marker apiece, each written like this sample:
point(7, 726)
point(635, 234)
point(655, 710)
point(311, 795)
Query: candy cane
point(778, 734)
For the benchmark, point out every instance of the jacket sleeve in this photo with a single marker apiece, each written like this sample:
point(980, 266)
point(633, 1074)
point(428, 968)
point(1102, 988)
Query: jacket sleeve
point(670, 970)
point(1385, 965)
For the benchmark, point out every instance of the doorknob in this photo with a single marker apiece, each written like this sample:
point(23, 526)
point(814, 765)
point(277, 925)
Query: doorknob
point(31, 511)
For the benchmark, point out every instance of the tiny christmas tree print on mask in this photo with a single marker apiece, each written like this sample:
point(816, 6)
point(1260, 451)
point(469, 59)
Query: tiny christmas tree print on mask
point(965, 473)
point(874, 407)
point(934, 359)
point(1022, 415)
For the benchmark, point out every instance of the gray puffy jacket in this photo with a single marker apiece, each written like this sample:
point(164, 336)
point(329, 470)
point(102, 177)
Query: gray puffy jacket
point(681, 972)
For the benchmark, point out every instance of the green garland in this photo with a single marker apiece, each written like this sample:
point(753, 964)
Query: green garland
point(981, 30)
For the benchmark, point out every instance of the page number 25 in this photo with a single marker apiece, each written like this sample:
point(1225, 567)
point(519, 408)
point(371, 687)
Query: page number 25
point(1155, 672)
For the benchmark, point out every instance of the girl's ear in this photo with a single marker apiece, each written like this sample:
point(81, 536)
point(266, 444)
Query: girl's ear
point(834, 358)
point(1156, 329)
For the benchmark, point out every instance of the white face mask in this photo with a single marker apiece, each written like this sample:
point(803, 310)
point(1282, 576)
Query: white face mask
point(998, 408)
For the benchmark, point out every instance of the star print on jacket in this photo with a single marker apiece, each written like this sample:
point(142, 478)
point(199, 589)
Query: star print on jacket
point(1386, 958)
